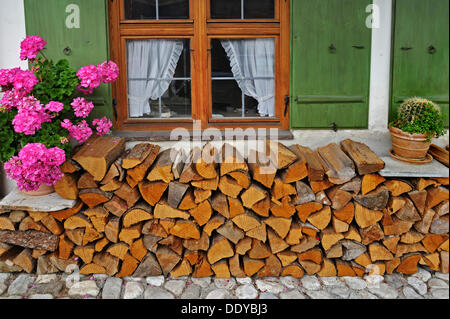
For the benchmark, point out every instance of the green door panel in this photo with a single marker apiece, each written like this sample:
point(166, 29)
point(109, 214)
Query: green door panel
point(418, 25)
point(86, 40)
point(330, 85)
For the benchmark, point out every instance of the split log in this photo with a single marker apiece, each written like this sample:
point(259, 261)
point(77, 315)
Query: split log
point(365, 159)
point(310, 267)
point(294, 270)
point(408, 264)
point(66, 187)
point(138, 250)
point(419, 199)
point(66, 213)
point(251, 266)
point(259, 250)
point(86, 181)
point(272, 267)
point(25, 261)
point(214, 223)
point(77, 221)
point(112, 185)
point(139, 172)
point(346, 214)
point(30, 239)
point(252, 195)
point(353, 186)
point(259, 233)
point(321, 197)
point(261, 168)
point(185, 229)
point(276, 243)
point(295, 234)
point(70, 167)
point(395, 204)
point(443, 208)
point(398, 227)
point(235, 208)
point(52, 225)
point(284, 210)
point(335, 251)
point(353, 234)
point(365, 217)
point(379, 252)
point(321, 219)
point(338, 166)
point(314, 255)
point(75, 235)
point(137, 155)
point(329, 237)
point(371, 234)
point(202, 213)
point(436, 195)
point(423, 183)
point(174, 243)
point(129, 266)
point(344, 269)
point(280, 155)
point(228, 186)
point(130, 195)
point(207, 184)
point(243, 246)
point(183, 269)
point(297, 170)
point(128, 235)
point(112, 229)
point(231, 232)
point(315, 170)
point(397, 187)
point(162, 168)
point(220, 248)
point(220, 204)
point(304, 193)
point(305, 210)
point(116, 206)
point(328, 269)
point(163, 210)
point(139, 213)
point(85, 253)
point(339, 226)
point(94, 197)
point(280, 189)
point(167, 259)
point(408, 212)
point(6, 224)
point(242, 178)
point(98, 153)
point(374, 200)
point(432, 242)
point(440, 225)
point(194, 244)
point(280, 225)
point(200, 195)
point(338, 197)
point(247, 221)
point(28, 223)
point(202, 268)
point(305, 244)
point(318, 186)
point(189, 173)
point(236, 268)
point(153, 191)
point(232, 160)
point(287, 257)
point(261, 208)
point(371, 182)
point(100, 244)
point(352, 250)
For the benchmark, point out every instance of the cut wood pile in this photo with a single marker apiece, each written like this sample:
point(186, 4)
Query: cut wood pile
point(282, 212)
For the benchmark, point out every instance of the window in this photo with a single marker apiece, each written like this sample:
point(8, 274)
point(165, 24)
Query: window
point(225, 63)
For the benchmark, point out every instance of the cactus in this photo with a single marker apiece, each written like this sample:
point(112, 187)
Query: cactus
point(412, 109)
point(420, 116)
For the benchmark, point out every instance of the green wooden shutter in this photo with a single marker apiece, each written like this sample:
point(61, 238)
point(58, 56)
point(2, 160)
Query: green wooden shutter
point(330, 86)
point(88, 44)
point(417, 71)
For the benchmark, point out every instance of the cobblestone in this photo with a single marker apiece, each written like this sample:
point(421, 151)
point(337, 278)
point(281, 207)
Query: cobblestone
point(423, 285)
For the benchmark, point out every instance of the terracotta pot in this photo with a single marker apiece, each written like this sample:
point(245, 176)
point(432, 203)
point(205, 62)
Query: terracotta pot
point(42, 191)
point(412, 146)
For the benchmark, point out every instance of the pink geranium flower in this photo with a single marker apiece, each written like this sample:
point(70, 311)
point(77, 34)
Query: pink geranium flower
point(53, 106)
point(81, 107)
point(31, 46)
point(103, 125)
point(35, 165)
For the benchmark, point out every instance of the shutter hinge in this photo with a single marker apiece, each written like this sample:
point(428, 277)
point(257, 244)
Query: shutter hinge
point(335, 127)
point(287, 101)
point(114, 103)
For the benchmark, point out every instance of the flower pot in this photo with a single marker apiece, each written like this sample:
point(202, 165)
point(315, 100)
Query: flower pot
point(409, 146)
point(42, 191)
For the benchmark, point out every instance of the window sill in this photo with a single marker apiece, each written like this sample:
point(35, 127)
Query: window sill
point(164, 136)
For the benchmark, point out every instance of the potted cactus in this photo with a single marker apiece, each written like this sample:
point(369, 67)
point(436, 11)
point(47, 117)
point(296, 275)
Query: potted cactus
point(418, 122)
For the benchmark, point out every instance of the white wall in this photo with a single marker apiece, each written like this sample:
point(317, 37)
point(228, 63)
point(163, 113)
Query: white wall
point(12, 32)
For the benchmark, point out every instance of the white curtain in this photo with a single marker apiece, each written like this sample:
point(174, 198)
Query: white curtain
point(253, 58)
point(149, 60)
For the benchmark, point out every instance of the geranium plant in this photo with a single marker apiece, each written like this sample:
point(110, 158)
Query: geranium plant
point(42, 108)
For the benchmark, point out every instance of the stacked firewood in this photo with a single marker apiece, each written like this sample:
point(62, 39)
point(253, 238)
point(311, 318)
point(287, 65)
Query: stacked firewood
point(280, 212)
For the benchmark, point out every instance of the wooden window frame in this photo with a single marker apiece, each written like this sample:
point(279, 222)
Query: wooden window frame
point(200, 29)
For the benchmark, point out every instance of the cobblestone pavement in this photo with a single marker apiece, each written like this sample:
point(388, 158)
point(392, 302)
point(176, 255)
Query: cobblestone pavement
point(423, 285)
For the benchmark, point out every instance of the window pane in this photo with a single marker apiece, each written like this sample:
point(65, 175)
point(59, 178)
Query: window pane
point(173, 9)
point(159, 78)
point(156, 9)
point(259, 9)
point(229, 9)
point(243, 81)
point(242, 9)
point(140, 9)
